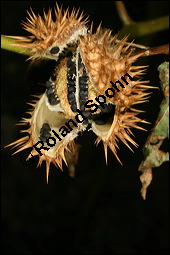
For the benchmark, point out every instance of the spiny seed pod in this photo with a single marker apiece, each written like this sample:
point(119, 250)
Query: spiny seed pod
point(93, 86)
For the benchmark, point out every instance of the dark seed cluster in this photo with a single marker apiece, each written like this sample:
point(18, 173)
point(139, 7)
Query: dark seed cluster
point(101, 118)
point(83, 87)
point(45, 132)
point(52, 98)
point(71, 83)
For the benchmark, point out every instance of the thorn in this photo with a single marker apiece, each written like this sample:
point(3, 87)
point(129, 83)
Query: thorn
point(47, 170)
point(105, 151)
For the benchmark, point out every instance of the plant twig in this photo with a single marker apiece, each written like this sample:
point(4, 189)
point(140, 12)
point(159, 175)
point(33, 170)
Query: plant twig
point(123, 14)
point(163, 49)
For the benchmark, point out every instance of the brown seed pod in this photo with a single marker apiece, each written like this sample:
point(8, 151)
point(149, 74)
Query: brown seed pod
point(94, 85)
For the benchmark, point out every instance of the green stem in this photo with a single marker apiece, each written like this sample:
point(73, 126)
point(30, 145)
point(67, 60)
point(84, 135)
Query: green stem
point(139, 29)
point(9, 44)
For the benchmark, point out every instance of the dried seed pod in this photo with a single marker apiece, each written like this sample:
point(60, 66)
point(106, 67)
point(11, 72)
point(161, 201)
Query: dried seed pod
point(94, 83)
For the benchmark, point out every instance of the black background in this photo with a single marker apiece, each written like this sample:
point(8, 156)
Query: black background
point(101, 210)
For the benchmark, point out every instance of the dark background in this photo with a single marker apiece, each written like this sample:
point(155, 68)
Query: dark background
point(101, 210)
